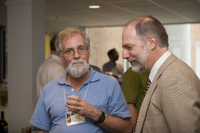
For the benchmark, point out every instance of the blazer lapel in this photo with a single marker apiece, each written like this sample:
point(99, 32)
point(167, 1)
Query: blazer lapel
point(147, 98)
point(144, 107)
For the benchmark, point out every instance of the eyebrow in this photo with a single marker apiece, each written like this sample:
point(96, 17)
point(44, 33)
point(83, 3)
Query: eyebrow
point(127, 45)
point(81, 45)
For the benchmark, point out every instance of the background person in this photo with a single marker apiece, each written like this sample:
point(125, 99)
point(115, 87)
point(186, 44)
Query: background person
point(133, 87)
point(101, 106)
point(50, 69)
point(171, 104)
point(112, 68)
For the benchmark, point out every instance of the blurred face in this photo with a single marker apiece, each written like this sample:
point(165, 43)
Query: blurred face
point(75, 55)
point(134, 50)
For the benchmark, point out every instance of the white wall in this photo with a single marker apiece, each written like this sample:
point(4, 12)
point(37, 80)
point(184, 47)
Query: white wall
point(179, 41)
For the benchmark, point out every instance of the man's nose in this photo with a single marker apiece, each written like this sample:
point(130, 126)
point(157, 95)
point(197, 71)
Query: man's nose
point(76, 53)
point(125, 54)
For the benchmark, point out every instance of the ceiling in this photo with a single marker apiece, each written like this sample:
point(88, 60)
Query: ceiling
point(64, 13)
point(61, 13)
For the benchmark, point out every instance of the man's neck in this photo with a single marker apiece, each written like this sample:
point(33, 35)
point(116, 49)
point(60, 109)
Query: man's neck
point(78, 82)
point(114, 62)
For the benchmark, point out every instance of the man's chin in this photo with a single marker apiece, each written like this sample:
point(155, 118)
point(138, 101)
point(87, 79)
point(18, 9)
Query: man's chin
point(136, 69)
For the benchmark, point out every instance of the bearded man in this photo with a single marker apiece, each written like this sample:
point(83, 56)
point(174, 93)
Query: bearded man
point(83, 100)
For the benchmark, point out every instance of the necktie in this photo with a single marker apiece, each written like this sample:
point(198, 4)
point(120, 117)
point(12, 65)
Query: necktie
point(148, 84)
point(147, 88)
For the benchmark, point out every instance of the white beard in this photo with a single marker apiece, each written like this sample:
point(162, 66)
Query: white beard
point(77, 70)
point(141, 61)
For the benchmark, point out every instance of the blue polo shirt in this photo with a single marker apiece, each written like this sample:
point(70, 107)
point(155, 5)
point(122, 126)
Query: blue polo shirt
point(100, 90)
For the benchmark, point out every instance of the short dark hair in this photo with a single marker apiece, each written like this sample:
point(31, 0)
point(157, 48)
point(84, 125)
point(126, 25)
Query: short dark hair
point(111, 52)
point(52, 43)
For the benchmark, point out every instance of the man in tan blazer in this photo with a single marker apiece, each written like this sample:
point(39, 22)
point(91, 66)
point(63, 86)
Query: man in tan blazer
point(172, 102)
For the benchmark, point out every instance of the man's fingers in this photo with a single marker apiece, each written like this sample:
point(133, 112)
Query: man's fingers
point(73, 97)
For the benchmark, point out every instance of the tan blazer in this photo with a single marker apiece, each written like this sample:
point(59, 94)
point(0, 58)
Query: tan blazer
point(172, 104)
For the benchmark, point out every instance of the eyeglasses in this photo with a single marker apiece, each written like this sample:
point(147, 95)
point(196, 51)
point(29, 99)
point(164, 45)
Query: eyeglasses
point(70, 51)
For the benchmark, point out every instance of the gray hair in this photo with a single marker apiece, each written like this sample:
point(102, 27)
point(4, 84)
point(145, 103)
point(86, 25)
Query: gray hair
point(68, 32)
point(147, 26)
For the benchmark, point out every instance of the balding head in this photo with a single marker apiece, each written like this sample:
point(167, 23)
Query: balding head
point(147, 26)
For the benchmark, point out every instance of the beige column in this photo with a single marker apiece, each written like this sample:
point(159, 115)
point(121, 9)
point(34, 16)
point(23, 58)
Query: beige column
point(25, 41)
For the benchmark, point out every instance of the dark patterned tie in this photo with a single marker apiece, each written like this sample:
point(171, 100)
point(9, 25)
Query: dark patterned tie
point(147, 88)
point(148, 84)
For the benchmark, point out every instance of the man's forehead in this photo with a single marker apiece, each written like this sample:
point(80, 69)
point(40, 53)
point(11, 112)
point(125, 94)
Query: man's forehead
point(129, 31)
point(72, 35)
point(74, 41)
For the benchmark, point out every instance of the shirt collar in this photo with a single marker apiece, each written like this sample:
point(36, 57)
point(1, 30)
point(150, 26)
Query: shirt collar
point(55, 57)
point(158, 64)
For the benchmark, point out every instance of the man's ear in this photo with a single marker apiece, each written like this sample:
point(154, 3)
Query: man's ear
point(152, 41)
point(61, 58)
point(89, 53)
